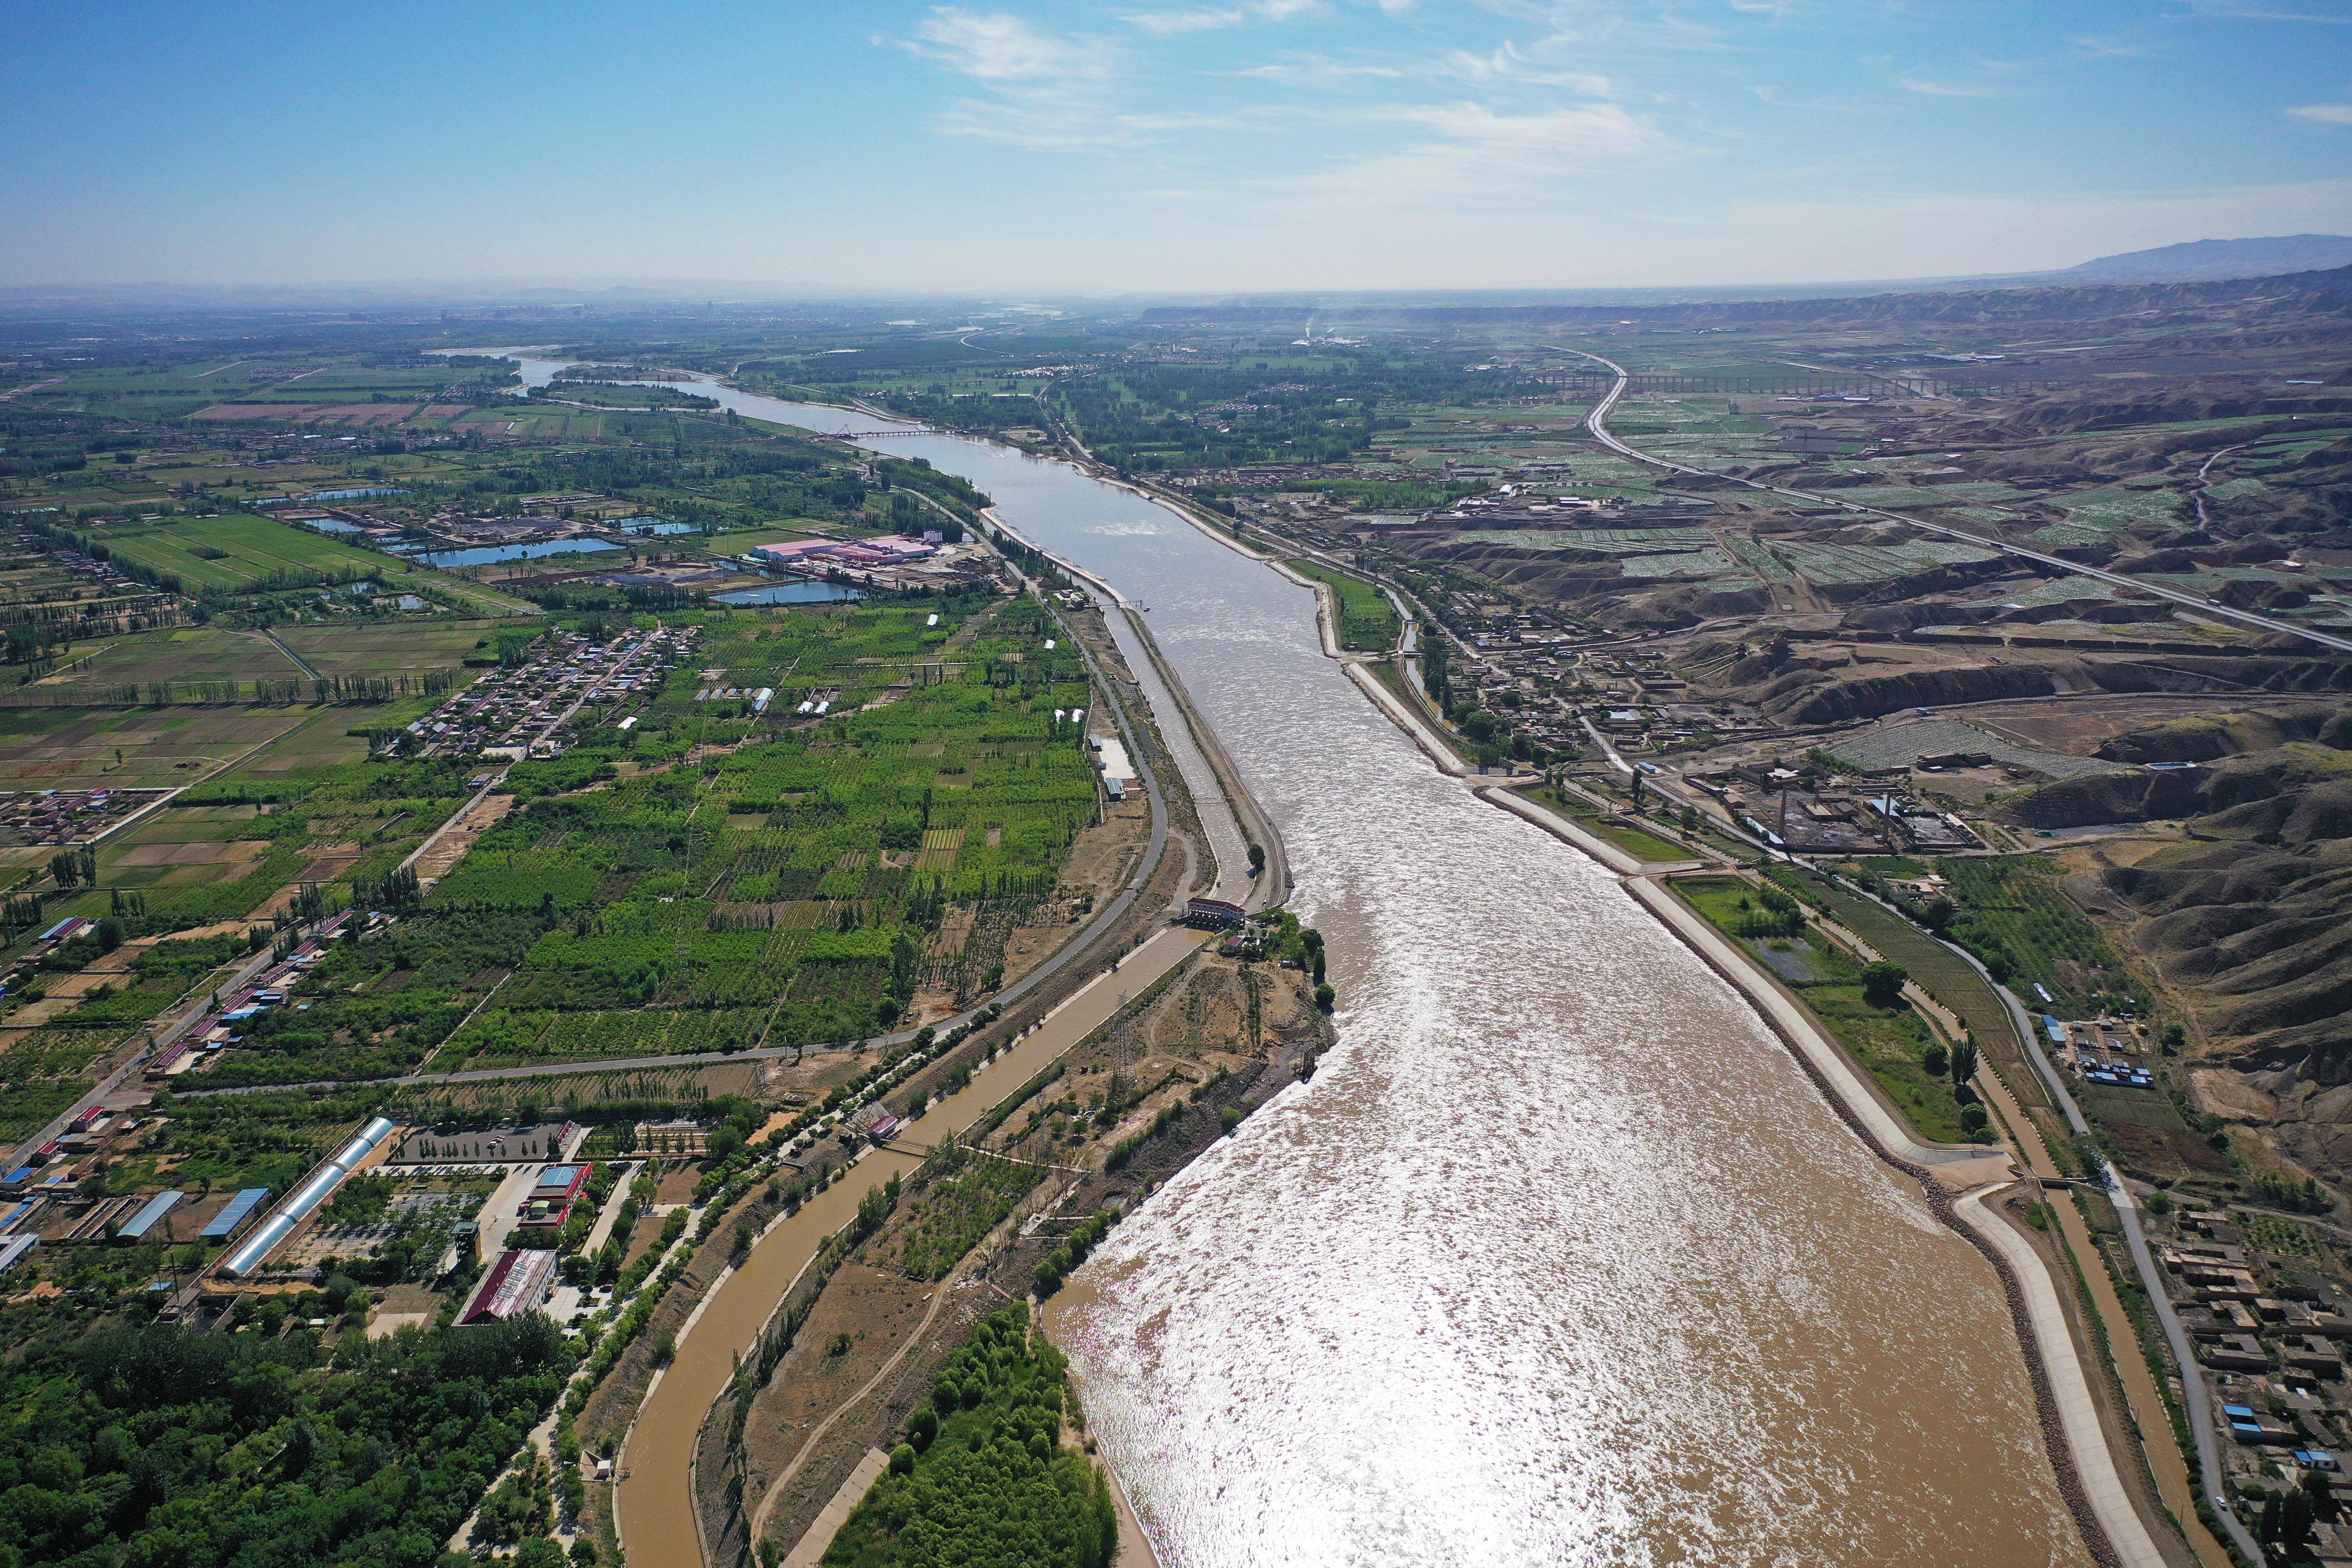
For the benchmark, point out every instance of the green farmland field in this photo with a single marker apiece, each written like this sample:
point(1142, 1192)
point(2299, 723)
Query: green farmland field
point(240, 551)
point(802, 889)
point(252, 550)
point(1367, 621)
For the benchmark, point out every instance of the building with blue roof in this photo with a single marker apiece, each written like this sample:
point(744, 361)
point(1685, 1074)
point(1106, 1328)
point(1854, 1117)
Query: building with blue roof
point(226, 1222)
point(154, 1209)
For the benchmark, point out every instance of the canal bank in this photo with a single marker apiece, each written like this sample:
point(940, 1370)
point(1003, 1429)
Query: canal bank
point(652, 1506)
point(1511, 1347)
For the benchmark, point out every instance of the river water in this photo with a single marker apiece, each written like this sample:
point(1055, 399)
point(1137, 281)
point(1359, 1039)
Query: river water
point(1558, 1259)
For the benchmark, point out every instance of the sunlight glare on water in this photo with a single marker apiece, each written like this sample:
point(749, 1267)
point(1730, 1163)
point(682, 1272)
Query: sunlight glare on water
point(1558, 1259)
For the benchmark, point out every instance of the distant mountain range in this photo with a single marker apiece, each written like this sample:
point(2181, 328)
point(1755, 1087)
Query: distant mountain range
point(2197, 262)
point(2044, 299)
point(2202, 259)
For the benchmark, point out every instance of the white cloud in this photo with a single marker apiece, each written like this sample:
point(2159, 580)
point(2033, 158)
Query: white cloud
point(2324, 114)
point(1050, 91)
point(1936, 87)
point(1207, 19)
point(1472, 154)
point(2104, 48)
point(1508, 64)
point(1319, 70)
point(1000, 48)
point(1590, 127)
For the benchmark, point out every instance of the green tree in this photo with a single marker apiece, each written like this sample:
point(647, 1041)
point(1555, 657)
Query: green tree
point(1883, 983)
point(2316, 1486)
point(1964, 1064)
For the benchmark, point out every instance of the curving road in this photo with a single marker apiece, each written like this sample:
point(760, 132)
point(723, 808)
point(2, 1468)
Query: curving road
point(2200, 1408)
point(1598, 423)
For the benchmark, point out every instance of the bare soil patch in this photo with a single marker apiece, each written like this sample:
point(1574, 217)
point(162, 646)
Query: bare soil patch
point(475, 820)
point(197, 854)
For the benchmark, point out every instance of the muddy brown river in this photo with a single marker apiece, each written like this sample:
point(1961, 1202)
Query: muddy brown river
point(1559, 1259)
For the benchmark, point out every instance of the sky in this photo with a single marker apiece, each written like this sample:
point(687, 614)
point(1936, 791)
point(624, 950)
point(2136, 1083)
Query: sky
point(1108, 147)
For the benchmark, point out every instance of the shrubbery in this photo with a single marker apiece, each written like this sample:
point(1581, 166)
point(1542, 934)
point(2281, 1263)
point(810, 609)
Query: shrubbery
point(982, 1479)
point(219, 1448)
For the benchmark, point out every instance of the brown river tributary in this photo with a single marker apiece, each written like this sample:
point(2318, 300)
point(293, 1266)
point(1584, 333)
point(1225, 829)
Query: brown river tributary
point(1559, 1259)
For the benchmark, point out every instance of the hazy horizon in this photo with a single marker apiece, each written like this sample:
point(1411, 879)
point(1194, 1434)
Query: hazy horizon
point(1208, 146)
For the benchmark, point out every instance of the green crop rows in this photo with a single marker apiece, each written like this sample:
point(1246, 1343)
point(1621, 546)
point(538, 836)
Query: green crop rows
point(2014, 916)
point(791, 889)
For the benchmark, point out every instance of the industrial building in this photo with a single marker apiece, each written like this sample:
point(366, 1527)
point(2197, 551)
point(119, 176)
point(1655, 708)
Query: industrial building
point(517, 1283)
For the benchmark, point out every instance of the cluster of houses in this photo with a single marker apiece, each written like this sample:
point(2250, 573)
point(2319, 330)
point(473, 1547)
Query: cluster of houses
point(2103, 1050)
point(2276, 1353)
point(68, 816)
point(511, 712)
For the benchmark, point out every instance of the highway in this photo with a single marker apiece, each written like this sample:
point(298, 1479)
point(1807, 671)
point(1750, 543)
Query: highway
point(1598, 423)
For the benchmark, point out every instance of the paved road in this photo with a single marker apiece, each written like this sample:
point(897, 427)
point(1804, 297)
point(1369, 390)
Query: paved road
point(1598, 423)
point(191, 1012)
point(2202, 1425)
point(2200, 1408)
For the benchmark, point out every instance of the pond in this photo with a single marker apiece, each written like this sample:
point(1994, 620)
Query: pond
point(486, 554)
point(788, 593)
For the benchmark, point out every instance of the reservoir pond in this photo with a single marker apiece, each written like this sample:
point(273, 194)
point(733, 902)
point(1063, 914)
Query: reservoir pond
point(487, 554)
point(789, 593)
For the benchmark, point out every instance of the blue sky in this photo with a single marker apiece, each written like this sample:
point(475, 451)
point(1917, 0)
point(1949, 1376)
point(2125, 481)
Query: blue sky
point(1154, 145)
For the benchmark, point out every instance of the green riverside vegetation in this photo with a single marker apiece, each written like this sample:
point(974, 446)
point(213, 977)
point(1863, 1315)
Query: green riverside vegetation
point(1883, 1035)
point(983, 1481)
point(1367, 621)
point(147, 1447)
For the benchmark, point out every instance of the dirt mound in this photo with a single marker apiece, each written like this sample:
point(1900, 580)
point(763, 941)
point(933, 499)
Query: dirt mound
point(2209, 736)
point(2258, 939)
point(1820, 696)
point(2289, 793)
